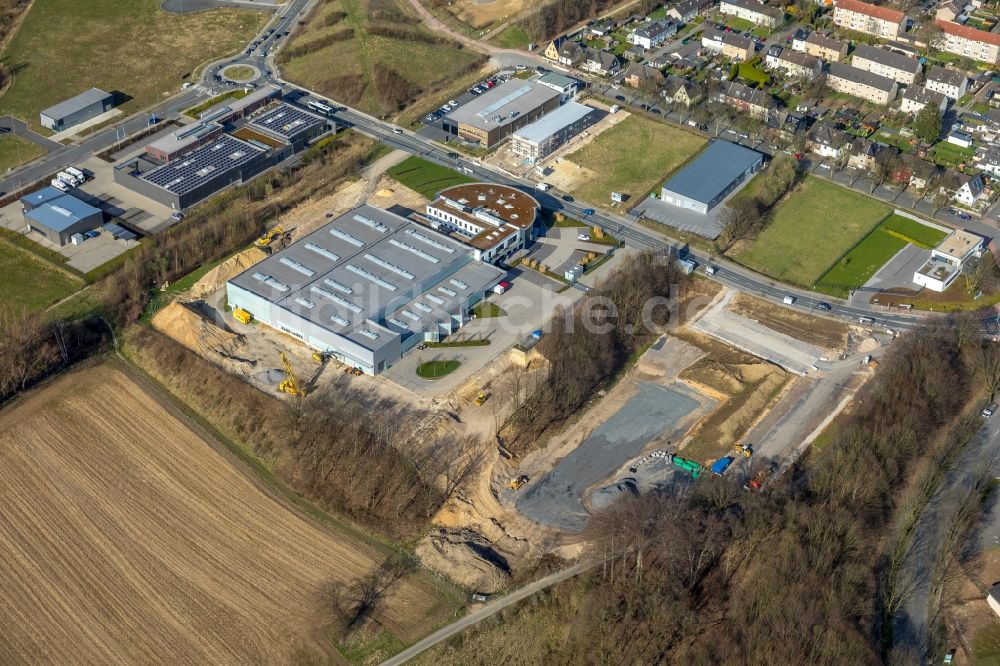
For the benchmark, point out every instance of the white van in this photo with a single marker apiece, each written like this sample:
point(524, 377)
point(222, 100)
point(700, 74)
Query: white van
point(544, 187)
point(788, 300)
point(615, 108)
point(76, 173)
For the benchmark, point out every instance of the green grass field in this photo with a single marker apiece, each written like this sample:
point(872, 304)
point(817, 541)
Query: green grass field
point(437, 369)
point(14, 151)
point(867, 257)
point(426, 177)
point(512, 37)
point(344, 69)
point(28, 283)
point(632, 157)
point(986, 645)
point(810, 230)
point(66, 46)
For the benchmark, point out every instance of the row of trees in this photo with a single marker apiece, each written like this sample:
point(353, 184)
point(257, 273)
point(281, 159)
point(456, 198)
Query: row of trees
point(553, 18)
point(744, 216)
point(796, 575)
point(593, 341)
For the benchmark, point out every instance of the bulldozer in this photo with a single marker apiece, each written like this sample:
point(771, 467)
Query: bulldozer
point(517, 482)
point(480, 399)
point(268, 236)
point(289, 384)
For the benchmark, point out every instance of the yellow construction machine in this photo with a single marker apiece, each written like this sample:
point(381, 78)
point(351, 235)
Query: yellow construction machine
point(746, 450)
point(517, 482)
point(480, 399)
point(242, 316)
point(289, 384)
point(268, 237)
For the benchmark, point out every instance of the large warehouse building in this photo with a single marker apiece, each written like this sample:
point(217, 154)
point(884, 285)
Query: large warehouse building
point(366, 287)
point(58, 216)
point(75, 110)
point(184, 167)
point(498, 113)
point(712, 176)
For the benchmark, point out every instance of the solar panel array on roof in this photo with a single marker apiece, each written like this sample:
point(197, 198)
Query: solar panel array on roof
point(202, 164)
point(286, 121)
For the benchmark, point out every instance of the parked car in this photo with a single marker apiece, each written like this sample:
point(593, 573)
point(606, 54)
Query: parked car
point(989, 410)
point(567, 197)
point(964, 216)
point(4, 130)
point(825, 307)
point(177, 216)
point(588, 211)
point(583, 237)
point(453, 104)
point(620, 98)
point(396, 130)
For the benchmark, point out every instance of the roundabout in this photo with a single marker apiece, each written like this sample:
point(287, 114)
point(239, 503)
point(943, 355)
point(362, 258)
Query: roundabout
point(240, 73)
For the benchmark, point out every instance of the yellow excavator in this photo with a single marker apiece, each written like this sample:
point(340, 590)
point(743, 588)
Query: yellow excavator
point(289, 384)
point(268, 236)
point(746, 450)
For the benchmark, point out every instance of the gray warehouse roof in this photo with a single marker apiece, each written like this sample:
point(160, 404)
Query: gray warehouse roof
point(70, 106)
point(554, 79)
point(202, 164)
point(506, 101)
point(369, 275)
point(62, 213)
point(547, 125)
point(712, 171)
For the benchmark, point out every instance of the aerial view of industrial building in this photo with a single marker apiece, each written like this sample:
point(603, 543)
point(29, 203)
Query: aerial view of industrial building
point(713, 175)
point(503, 110)
point(366, 287)
point(75, 110)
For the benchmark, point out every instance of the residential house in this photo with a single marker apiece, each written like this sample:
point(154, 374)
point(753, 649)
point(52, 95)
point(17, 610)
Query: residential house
point(880, 22)
point(947, 260)
point(787, 125)
point(571, 53)
point(682, 91)
point(916, 98)
point(653, 34)
point(826, 48)
point(794, 63)
point(865, 154)
point(859, 83)
point(913, 172)
point(755, 12)
point(968, 42)
point(827, 141)
point(757, 103)
point(727, 44)
point(969, 190)
point(686, 10)
point(552, 50)
point(948, 11)
point(599, 29)
point(640, 76)
point(600, 62)
point(951, 83)
point(565, 85)
point(989, 160)
point(886, 63)
point(959, 138)
point(634, 53)
point(799, 38)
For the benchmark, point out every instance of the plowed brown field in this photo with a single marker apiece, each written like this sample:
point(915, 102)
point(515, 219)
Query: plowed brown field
point(125, 538)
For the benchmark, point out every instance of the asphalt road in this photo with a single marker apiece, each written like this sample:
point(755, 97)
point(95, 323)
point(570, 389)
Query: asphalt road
point(486, 611)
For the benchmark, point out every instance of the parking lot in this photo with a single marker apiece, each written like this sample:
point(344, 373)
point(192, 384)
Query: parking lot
point(432, 128)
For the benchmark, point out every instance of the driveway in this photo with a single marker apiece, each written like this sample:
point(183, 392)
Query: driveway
point(20, 128)
point(897, 272)
point(706, 226)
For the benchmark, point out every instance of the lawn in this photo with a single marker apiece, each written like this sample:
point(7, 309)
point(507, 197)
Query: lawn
point(948, 154)
point(132, 46)
point(810, 230)
point(29, 283)
point(426, 177)
point(486, 309)
point(14, 151)
point(512, 37)
point(437, 369)
point(239, 72)
point(632, 157)
point(339, 53)
point(986, 645)
point(752, 74)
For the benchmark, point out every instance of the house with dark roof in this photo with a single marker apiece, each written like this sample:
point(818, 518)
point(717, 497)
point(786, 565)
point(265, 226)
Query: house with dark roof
point(827, 141)
point(652, 34)
point(757, 103)
point(916, 98)
point(602, 63)
point(884, 62)
point(951, 83)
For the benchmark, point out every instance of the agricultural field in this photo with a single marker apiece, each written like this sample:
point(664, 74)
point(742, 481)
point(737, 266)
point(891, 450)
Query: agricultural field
point(111, 47)
point(29, 283)
point(809, 231)
point(129, 538)
point(426, 178)
point(373, 55)
point(632, 157)
point(859, 265)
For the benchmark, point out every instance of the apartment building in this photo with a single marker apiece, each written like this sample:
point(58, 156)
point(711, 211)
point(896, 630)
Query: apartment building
point(755, 12)
point(820, 46)
point(859, 83)
point(949, 82)
point(727, 44)
point(793, 63)
point(870, 19)
point(886, 63)
point(968, 42)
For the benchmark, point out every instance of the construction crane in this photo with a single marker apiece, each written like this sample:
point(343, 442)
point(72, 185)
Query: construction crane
point(268, 236)
point(289, 384)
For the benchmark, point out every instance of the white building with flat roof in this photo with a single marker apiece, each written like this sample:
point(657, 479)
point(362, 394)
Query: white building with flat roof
point(947, 260)
point(544, 136)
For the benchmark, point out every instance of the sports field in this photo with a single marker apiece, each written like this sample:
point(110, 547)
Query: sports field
point(127, 538)
point(867, 257)
point(132, 46)
point(810, 230)
point(426, 177)
point(632, 157)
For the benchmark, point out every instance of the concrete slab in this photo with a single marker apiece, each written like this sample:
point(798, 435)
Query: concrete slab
point(706, 226)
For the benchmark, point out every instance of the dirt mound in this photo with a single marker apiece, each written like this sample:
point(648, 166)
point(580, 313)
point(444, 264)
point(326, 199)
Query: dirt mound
point(194, 331)
point(465, 557)
point(230, 268)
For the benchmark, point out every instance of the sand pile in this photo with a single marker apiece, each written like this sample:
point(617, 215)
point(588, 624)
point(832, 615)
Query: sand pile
point(230, 268)
point(194, 331)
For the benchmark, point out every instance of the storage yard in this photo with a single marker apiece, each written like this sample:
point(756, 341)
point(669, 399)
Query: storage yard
point(127, 517)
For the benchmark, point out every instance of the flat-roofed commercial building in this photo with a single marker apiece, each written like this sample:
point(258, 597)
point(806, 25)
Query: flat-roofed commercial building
point(883, 62)
point(541, 137)
point(947, 259)
point(497, 114)
point(859, 83)
point(493, 221)
point(712, 176)
point(870, 19)
point(75, 110)
point(58, 216)
point(366, 287)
